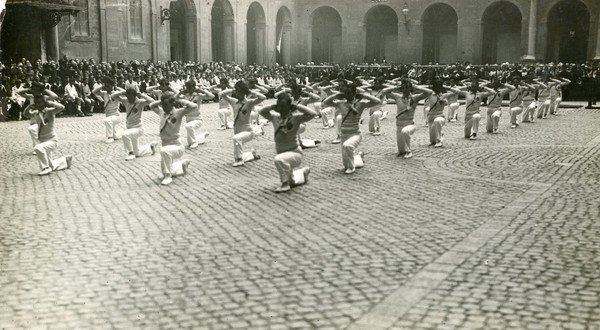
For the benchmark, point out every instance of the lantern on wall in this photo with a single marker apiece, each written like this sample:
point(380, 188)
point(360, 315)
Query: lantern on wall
point(405, 13)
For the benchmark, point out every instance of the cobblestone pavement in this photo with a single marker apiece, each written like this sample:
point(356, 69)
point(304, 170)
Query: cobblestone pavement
point(508, 225)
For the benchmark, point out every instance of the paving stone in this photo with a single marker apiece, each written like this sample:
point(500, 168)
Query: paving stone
point(103, 244)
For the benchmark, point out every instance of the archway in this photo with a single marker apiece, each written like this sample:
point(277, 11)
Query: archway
point(440, 30)
point(283, 42)
point(13, 34)
point(501, 41)
point(183, 30)
point(382, 33)
point(222, 31)
point(326, 35)
point(255, 34)
point(568, 32)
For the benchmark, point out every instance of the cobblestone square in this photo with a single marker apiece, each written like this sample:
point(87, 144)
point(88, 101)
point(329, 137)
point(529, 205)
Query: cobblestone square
point(498, 233)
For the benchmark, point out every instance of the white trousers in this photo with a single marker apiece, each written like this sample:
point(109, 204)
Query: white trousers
point(168, 155)
point(44, 151)
point(403, 134)
point(191, 128)
point(472, 124)
point(555, 106)
point(224, 115)
point(111, 123)
point(131, 142)
point(435, 129)
point(238, 146)
point(338, 124)
point(317, 107)
point(254, 117)
point(327, 117)
point(453, 110)
point(514, 114)
point(288, 166)
point(33, 133)
point(375, 121)
point(528, 112)
point(349, 145)
point(543, 109)
point(493, 119)
point(306, 143)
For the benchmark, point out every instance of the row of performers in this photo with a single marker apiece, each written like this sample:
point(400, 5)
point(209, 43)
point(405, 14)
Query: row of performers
point(340, 104)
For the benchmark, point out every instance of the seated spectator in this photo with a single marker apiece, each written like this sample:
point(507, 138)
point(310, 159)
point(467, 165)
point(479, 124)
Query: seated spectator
point(16, 102)
point(130, 83)
point(73, 97)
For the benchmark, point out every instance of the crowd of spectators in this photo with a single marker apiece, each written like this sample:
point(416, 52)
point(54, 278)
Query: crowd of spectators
point(74, 79)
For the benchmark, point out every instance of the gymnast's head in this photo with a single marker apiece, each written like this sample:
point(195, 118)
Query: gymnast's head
point(167, 101)
point(406, 87)
point(241, 90)
point(284, 104)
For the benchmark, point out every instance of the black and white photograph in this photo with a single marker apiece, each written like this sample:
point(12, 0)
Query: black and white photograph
point(300, 164)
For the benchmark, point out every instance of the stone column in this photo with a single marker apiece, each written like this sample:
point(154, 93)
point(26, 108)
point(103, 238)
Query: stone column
point(363, 45)
point(530, 57)
point(309, 44)
point(228, 39)
point(409, 44)
point(597, 54)
point(468, 41)
point(154, 34)
point(286, 45)
point(103, 31)
point(206, 42)
point(346, 46)
point(50, 20)
point(190, 38)
point(260, 42)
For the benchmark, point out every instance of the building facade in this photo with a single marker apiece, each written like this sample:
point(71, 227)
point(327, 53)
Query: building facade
point(445, 31)
point(293, 31)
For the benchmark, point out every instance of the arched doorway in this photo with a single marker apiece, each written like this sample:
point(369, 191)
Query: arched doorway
point(501, 41)
point(13, 34)
point(440, 30)
point(183, 30)
point(568, 32)
point(255, 34)
point(326, 35)
point(283, 42)
point(382, 34)
point(222, 31)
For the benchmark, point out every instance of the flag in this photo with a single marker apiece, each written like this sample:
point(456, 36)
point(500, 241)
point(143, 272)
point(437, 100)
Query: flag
point(279, 40)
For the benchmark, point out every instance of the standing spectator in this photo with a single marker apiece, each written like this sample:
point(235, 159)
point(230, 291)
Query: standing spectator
point(593, 84)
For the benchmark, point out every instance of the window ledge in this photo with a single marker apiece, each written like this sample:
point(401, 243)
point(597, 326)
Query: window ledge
point(82, 39)
point(136, 41)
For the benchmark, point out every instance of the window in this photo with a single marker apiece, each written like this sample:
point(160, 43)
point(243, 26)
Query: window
point(135, 19)
point(80, 23)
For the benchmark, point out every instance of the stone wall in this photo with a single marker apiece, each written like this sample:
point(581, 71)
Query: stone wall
point(109, 38)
